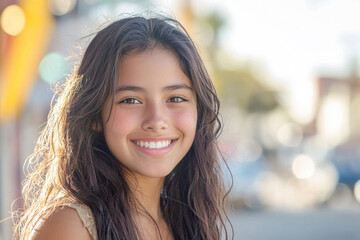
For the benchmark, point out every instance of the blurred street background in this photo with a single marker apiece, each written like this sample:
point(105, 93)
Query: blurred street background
point(287, 73)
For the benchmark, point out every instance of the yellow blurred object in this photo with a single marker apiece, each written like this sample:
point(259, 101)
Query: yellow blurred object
point(188, 19)
point(19, 71)
point(13, 20)
point(187, 16)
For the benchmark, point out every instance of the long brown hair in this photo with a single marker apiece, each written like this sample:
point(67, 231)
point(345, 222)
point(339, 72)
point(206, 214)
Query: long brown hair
point(72, 159)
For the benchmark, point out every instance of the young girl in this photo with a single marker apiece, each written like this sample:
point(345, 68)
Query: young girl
point(129, 150)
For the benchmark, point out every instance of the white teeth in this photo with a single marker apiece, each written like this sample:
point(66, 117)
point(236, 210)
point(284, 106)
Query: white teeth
point(154, 145)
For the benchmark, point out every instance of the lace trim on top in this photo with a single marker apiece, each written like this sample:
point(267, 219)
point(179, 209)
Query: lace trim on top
point(86, 217)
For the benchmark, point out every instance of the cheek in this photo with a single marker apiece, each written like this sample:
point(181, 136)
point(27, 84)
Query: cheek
point(121, 122)
point(186, 120)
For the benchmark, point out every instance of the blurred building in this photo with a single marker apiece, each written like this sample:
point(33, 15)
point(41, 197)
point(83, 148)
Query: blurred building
point(338, 120)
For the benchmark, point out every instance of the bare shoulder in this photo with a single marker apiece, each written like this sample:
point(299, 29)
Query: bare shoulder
point(64, 223)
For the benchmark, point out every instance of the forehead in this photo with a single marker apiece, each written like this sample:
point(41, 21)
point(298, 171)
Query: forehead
point(153, 67)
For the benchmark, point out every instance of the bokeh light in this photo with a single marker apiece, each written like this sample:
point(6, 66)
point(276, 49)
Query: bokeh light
point(357, 190)
point(323, 182)
point(249, 150)
point(303, 167)
point(53, 67)
point(13, 20)
point(61, 7)
point(271, 189)
point(333, 123)
point(342, 197)
point(301, 99)
point(290, 134)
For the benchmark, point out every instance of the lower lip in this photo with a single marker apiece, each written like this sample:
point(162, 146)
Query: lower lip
point(156, 151)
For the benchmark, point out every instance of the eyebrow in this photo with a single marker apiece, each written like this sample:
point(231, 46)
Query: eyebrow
point(165, 89)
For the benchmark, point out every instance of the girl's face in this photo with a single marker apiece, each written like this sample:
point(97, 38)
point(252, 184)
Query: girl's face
point(153, 120)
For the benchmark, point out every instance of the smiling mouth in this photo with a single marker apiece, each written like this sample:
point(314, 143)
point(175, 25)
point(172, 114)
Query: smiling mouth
point(154, 144)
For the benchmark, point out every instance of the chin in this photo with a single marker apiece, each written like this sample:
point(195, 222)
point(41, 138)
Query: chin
point(155, 173)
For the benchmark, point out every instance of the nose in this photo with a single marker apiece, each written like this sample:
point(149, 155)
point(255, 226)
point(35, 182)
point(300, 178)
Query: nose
point(155, 118)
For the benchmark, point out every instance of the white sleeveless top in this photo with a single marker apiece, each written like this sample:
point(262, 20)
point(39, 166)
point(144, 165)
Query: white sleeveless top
point(86, 217)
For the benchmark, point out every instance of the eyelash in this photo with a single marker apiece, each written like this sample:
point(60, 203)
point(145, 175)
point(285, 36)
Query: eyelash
point(132, 99)
point(177, 97)
point(125, 101)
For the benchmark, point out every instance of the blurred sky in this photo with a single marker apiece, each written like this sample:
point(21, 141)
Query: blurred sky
point(295, 41)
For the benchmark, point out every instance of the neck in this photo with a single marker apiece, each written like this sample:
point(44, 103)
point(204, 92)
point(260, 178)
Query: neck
point(148, 215)
point(147, 192)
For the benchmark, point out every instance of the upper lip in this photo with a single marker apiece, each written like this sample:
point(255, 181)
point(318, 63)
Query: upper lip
point(154, 139)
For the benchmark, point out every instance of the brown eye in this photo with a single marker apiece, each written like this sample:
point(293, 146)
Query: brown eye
point(177, 100)
point(130, 101)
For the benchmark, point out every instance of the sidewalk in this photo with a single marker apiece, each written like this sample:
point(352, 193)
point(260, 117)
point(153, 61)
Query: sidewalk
point(317, 224)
